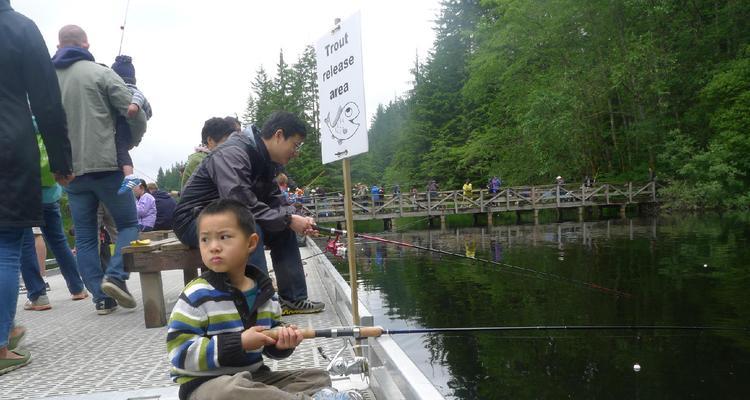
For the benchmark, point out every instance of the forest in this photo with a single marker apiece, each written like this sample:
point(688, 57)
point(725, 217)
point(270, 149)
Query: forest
point(528, 90)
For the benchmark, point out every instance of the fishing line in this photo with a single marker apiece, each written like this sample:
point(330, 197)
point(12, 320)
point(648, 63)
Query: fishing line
point(529, 270)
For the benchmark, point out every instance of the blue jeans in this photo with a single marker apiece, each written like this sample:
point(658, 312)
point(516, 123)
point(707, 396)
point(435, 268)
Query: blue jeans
point(287, 262)
point(84, 194)
point(30, 267)
point(54, 235)
point(10, 264)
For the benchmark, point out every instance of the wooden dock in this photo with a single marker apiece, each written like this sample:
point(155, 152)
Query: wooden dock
point(510, 199)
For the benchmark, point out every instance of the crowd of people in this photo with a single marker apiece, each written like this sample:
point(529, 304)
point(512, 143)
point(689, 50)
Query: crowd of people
point(89, 117)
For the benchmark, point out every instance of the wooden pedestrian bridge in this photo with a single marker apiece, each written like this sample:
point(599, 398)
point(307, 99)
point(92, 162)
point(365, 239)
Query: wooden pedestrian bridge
point(518, 198)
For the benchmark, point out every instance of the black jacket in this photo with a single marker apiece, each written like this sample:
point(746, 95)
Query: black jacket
point(165, 206)
point(238, 169)
point(25, 69)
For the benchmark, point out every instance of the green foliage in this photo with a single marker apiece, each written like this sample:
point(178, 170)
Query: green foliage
point(170, 179)
point(528, 90)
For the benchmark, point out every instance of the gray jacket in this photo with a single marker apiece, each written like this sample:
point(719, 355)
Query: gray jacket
point(238, 169)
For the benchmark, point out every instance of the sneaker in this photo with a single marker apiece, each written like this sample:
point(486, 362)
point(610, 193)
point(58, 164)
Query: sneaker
point(22, 289)
point(127, 185)
point(106, 306)
point(303, 306)
point(8, 364)
point(79, 296)
point(117, 289)
point(46, 286)
point(40, 304)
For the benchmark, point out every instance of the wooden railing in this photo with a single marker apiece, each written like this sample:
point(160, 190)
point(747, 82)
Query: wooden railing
point(331, 208)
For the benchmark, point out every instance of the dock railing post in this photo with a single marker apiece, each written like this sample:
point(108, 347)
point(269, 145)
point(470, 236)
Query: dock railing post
point(630, 192)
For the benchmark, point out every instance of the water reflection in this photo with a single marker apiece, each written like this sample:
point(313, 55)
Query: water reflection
point(660, 261)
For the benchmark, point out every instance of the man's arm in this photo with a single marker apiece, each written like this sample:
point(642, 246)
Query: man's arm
point(120, 98)
point(43, 90)
point(230, 169)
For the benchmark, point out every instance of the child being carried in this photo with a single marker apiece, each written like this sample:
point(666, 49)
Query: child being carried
point(124, 140)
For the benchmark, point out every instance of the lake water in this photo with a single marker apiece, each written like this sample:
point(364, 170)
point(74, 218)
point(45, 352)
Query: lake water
point(691, 270)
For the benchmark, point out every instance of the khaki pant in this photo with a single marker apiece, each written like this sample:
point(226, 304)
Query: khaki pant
point(264, 385)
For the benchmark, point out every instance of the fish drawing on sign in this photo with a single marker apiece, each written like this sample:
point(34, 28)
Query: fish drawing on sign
point(344, 125)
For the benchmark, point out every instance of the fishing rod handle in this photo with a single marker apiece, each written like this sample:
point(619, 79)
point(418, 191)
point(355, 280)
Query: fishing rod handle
point(349, 331)
point(328, 230)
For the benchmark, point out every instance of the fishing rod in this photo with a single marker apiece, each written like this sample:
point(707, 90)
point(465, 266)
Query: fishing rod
point(549, 275)
point(122, 27)
point(377, 331)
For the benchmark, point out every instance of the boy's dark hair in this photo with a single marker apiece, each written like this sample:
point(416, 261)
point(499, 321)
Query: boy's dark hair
point(245, 218)
point(289, 124)
point(217, 129)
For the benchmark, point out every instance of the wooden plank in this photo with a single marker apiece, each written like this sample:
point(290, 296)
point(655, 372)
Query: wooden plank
point(153, 246)
point(162, 261)
point(174, 246)
point(155, 235)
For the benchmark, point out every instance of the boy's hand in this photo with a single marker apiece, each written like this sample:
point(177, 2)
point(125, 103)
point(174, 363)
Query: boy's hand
point(133, 110)
point(253, 339)
point(289, 337)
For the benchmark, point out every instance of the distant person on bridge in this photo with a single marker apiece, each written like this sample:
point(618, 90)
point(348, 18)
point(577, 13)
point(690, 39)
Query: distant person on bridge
point(244, 168)
point(494, 185)
point(468, 189)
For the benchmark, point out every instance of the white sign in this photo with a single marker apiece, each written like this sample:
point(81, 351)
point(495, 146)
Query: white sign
point(341, 94)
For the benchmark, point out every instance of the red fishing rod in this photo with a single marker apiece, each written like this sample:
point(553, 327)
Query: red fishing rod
point(533, 271)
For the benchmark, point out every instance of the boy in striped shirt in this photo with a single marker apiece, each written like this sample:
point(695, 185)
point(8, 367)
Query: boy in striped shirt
point(214, 340)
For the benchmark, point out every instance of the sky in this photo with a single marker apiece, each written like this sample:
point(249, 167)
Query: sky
point(196, 59)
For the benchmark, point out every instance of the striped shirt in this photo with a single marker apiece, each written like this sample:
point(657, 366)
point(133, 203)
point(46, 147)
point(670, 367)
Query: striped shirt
point(205, 327)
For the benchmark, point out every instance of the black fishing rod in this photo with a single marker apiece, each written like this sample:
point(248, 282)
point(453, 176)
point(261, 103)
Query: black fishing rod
point(541, 273)
point(377, 331)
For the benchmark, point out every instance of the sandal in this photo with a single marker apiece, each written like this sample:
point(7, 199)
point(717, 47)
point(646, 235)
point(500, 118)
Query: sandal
point(79, 296)
point(9, 364)
point(14, 341)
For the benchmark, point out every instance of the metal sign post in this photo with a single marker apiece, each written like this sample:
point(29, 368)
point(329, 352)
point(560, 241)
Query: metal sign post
point(342, 118)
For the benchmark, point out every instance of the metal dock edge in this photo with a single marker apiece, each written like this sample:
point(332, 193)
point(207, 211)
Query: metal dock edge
point(393, 374)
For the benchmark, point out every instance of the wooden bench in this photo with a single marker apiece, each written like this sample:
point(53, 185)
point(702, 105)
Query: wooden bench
point(149, 261)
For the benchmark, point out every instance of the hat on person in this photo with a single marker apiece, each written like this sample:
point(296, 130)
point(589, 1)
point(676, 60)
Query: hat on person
point(559, 177)
point(124, 67)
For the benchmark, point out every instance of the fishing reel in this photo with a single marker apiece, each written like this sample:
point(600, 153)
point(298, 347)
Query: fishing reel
point(344, 365)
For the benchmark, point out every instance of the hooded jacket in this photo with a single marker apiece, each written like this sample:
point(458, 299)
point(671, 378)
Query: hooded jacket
point(93, 96)
point(165, 206)
point(25, 69)
point(238, 169)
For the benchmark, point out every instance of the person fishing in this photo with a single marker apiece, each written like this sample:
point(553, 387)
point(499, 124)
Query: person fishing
point(214, 337)
point(244, 168)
